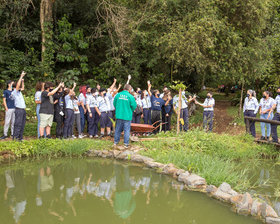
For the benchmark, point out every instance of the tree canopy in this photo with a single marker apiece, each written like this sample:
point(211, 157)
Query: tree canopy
point(92, 41)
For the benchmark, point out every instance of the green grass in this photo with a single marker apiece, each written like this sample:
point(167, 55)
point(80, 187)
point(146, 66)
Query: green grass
point(217, 158)
point(53, 147)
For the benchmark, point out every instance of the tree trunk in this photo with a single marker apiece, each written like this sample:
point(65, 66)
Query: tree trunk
point(179, 111)
point(46, 16)
point(241, 99)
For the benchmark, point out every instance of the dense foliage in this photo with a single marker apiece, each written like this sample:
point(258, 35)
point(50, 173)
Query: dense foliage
point(197, 41)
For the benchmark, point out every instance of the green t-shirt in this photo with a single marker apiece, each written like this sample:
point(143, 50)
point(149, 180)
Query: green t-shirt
point(125, 104)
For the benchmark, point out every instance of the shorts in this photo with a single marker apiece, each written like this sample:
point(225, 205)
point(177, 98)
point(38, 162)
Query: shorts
point(46, 120)
point(105, 120)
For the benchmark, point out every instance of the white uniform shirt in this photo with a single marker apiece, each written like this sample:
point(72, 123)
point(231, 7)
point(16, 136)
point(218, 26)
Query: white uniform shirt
point(266, 104)
point(208, 102)
point(146, 102)
point(103, 104)
point(251, 104)
point(277, 102)
point(91, 101)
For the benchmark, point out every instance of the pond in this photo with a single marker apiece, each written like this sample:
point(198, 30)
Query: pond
point(265, 182)
point(102, 191)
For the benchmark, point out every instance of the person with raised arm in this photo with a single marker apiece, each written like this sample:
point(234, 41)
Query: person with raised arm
point(157, 104)
point(208, 113)
point(20, 106)
point(9, 105)
point(47, 108)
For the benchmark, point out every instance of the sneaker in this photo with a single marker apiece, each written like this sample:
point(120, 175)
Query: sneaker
point(4, 137)
point(73, 136)
point(126, 146)
point(90, 136)
point(96, 136)
point(263, 138)
point(101, 136)
point(81, 136)
point(48, 136)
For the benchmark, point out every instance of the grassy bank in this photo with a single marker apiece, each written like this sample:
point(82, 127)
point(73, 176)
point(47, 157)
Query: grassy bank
point(53, 147)
point(217, 158)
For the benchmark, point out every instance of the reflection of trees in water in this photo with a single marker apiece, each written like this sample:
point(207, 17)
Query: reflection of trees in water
point(59, 187)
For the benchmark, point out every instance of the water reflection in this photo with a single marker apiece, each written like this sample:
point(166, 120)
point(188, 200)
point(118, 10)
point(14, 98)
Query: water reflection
point(85, 191)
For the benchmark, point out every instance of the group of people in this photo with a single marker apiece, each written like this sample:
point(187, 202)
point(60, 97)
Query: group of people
point(96, 106)
point(266, 108)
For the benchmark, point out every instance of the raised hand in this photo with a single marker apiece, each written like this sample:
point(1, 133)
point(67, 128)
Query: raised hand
point(129, 77)
point(23, 73)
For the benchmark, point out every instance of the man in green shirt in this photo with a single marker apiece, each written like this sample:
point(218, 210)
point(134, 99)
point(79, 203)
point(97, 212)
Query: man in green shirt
point(125, 104)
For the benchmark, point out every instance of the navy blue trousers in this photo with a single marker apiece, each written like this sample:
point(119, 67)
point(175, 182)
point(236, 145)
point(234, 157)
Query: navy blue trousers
point(93, 122)
point(274, 127)
point(20, 119)
point(105, 121)
point(167, 121)
point(185, 115)
point(83, 119)
point(68, 123)
point(208, 120)
point(250, 113)
point(136, 118)
point(147, 116)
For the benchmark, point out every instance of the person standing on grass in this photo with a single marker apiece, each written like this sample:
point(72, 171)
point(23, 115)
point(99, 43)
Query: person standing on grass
point(39, 89)
point(104, 111)
point(184, 113)
point(82, 107)
point(9, 105)
point(208, 113)
point(47, 108)
point(59, 110)
point(266, 103)
point(77, 118)
point(146, 104)
point(91, 104)
point(167, 111)
point(250, 109)
point(125, 104)
point(20, 112)
point(157, 104)
point(69, 112)
point(276, 106)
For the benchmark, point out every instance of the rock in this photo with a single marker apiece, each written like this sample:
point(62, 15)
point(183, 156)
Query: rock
point(152, 164)
point(237, 199)
point(268, 211)
point(183, 177)
point(116, 153)
point(272, 220)
point(180, 171)
point(124, 155)
point(170, 170)
point(246, 204)
point(140, 159)
point(225, 192)
point(195, 181)
point(211, 189)
point(256, 208)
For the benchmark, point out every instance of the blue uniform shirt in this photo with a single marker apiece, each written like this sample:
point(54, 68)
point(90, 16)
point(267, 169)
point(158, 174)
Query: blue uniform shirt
point(266, 104)
point(157, 103)
point(91, 101)
point(277, 102)
point(19, 100)
point(169, 108)
point(208, 102)
point(9, 99)
point(251, 104)
point(103, 104)
point(69, 102)
point(146, 102)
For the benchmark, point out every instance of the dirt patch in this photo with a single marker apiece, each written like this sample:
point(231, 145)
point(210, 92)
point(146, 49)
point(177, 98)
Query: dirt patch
point(223, 122)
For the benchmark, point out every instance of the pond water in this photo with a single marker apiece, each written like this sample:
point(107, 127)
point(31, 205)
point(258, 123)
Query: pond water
point(266, 182)
point(102, 191)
